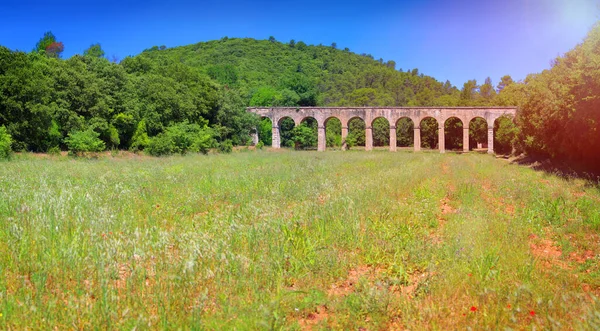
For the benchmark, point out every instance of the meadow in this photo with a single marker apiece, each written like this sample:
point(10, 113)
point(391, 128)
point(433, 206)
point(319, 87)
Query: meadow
point(296, 240)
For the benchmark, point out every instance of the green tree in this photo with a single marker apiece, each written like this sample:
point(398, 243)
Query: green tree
point(405, 132)
point(381, 132)
point(477, 132)
point(95, 50)
point(45, 41)
point(5, 143)
point(505, 81)
point(82, 143)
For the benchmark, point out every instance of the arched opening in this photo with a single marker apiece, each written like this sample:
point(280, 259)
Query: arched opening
point(286, 131)
point(333, 132)
point(305, 134)
point(429, 133)
point(504, 133)
point(356, 132)
point(381, 132)
point(478, 134)
point(453, 134)
point(405, 132)
point(265, 131)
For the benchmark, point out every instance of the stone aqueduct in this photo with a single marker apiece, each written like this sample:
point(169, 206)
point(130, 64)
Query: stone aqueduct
point(369, 114)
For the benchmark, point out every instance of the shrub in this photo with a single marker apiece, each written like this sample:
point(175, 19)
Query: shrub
point(161, 145)
point(181, 138)
point(226, 146)
point(260, 145)
point(54, 150)
point(5, 142)
point(140, 139)
point(83, 142)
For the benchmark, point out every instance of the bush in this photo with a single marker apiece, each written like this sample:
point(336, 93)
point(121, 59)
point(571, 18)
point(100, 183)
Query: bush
point(160, 145)
point(140, 139)
point(181, 138)
point(226, 146)
point(83, 142)
point(54, 150)
point(5, 142)
point(260, 145)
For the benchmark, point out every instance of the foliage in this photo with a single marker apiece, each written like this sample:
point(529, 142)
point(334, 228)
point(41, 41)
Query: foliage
point(83, 142)
point(505, 132)
point(226, 146)
point(5, 143)
point(405, 132)
point(45, 41)
point(559, 114)
point(94, 50)
point(429, 133)
point(140, 139)
point(55, 49)
point(453, 134)
point(478, 133)
point(181, 138)
point(43, 97)
point(304, 136)
point(356, 133)
point(381, 132)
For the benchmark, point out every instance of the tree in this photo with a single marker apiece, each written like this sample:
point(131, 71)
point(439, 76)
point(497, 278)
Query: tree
point(94, 50)
point(405, 132)
point(477, 132)
point(334, 45)
point(304, 136)
point(381, 132)
point(487, 91)
point(505, 132)
point(5, 142)
point(272, 39)
point(81, 143)
point(45, 41)
point(468, 92)
point(429, 132)
point(55, 49)
point(505, 81)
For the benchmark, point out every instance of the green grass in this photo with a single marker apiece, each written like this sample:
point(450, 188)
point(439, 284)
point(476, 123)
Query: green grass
point(295, 240)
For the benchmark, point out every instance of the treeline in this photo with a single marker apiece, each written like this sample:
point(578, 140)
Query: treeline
point(200, 91)
point(559, 113)
point(48, 104)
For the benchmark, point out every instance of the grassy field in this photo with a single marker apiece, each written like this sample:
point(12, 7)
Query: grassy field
point(296, 240)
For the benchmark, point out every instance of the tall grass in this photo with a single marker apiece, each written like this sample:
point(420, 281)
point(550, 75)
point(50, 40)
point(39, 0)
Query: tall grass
point(295, 240)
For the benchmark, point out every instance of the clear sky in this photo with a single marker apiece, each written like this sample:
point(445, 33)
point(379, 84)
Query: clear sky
point(456, 40)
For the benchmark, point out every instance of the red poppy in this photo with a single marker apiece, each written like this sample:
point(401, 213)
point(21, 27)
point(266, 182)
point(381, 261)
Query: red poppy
point(470, 275)
point(532, 313)
point(473, 308)
point(508, 306)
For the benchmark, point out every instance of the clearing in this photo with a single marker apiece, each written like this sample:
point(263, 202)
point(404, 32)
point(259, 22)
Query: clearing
point(296, 240)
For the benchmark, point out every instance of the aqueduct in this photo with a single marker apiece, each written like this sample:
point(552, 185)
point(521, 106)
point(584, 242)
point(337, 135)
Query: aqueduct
point(393, 115)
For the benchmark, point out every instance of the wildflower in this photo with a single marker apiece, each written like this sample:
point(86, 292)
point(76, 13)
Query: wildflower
point(508, 306)
point(473, 308)
point(470, 274)
point(532, 313)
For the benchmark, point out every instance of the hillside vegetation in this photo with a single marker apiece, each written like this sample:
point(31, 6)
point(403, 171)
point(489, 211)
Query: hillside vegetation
point(203, 89)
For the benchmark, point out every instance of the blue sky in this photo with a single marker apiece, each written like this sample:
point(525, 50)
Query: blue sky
point(449, 40)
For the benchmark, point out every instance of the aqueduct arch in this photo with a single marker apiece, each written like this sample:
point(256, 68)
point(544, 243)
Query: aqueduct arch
point(392, 114)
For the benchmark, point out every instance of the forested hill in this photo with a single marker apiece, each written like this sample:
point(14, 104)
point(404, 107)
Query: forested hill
point(191, 98)
point(204, 87)
point(267, 72)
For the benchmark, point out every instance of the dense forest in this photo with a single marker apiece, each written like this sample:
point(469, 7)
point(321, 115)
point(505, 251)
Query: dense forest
point(193, 98)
